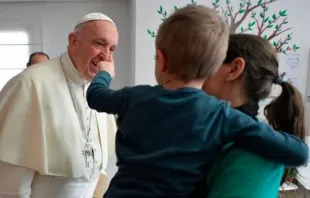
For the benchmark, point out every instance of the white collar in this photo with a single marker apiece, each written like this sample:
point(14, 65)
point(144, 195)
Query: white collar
point(70, 70)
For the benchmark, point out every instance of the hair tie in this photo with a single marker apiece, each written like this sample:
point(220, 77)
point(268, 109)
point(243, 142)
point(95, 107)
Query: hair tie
point(278, 80)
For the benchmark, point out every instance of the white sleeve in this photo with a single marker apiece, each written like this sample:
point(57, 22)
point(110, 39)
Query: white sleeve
point(15, 181)
point(111, 168)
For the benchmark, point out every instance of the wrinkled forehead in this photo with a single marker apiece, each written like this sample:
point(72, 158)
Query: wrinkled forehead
point(100, 30)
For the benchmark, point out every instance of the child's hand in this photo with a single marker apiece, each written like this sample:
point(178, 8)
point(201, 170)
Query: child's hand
point(107, 66)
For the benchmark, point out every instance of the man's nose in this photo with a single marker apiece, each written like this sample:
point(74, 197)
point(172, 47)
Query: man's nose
point(104, 55)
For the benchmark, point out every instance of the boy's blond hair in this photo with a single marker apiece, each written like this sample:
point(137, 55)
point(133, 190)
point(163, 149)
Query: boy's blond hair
point(194, 39)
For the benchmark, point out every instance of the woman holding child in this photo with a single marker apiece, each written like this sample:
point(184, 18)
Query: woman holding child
point(169, 133)
point(246, 77)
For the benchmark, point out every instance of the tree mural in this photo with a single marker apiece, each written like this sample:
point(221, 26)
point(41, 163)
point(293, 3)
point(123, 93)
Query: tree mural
point(271, 26)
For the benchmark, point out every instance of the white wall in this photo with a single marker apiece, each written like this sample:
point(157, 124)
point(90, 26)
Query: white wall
point(148, 18)
point(49, 24)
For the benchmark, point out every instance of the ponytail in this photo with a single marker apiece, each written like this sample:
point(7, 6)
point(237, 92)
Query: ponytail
point(287, 113)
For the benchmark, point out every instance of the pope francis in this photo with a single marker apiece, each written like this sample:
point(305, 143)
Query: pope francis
point(51, 144)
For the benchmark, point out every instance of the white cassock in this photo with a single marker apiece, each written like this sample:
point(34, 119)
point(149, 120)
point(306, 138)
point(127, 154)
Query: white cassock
point(51, 144)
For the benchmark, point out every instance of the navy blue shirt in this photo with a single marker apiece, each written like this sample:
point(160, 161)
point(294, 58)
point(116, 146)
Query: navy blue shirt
point(167, 138)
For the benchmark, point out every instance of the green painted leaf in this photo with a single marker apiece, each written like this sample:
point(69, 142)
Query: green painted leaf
point(270, 26)
point(213, 4)
point(149, 31)
point(266, 19)
point(259, 2)
point(285, 22)
point(161, 9)
point(282, 13)
point(277, 27)
point(227, 1)
point(217, 1)
point(241, 11)
point(163, 19)
point(274, 16)
point(249, 3)
point(165, 13)
point(252, 23)
point(242, 29)
point(274, 43)
point(261, 15)
point(265, 37)
point(240, 4)
point(250, 29)
point(176, 8)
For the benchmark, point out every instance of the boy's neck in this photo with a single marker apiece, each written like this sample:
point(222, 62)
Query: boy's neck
point(177, 84)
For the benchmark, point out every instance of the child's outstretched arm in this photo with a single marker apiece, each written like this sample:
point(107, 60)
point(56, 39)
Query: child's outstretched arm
point(261, 139)
point(103, 99)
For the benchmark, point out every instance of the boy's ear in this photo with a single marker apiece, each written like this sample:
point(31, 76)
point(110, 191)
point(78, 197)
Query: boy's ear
point(161, 61)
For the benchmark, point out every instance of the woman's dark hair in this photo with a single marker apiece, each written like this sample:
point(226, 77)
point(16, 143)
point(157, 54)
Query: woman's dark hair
point(284, 113)
point(34, 54)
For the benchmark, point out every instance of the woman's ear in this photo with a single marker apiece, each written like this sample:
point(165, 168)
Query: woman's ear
point(236, 68)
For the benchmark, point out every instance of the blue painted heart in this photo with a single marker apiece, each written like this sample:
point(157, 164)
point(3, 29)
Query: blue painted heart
point(292, 62)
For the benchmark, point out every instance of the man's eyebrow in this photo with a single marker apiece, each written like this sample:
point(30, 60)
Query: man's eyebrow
point(101, 39)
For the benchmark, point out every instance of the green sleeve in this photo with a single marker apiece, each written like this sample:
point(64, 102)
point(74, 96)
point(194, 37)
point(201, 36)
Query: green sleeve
point(242, 174)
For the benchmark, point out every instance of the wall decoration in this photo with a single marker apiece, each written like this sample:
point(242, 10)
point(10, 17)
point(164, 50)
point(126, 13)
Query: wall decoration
point(271, 26)
point(291, 70)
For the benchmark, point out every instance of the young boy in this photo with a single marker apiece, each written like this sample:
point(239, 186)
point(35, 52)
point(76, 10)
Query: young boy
point(168, 134)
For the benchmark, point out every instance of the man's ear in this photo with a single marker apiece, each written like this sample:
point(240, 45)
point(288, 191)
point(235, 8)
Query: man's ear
point(236, 68)
point(161, 61)
point(72, 39)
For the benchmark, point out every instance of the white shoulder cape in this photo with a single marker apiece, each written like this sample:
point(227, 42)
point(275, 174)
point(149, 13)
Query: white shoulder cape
point(39, 128)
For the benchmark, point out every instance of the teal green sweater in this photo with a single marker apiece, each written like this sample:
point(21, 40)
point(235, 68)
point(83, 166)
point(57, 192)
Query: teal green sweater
point(238, 173)
point(241, 174)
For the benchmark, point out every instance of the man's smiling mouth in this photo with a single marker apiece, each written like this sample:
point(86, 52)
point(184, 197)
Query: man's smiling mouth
point(95, 64)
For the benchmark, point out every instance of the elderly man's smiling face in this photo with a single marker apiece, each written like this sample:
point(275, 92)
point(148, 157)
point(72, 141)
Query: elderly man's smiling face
point(91, 43)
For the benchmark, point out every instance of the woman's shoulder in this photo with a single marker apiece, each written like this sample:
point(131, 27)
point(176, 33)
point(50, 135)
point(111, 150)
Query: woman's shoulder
point(239, 156)
point(240, 173)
